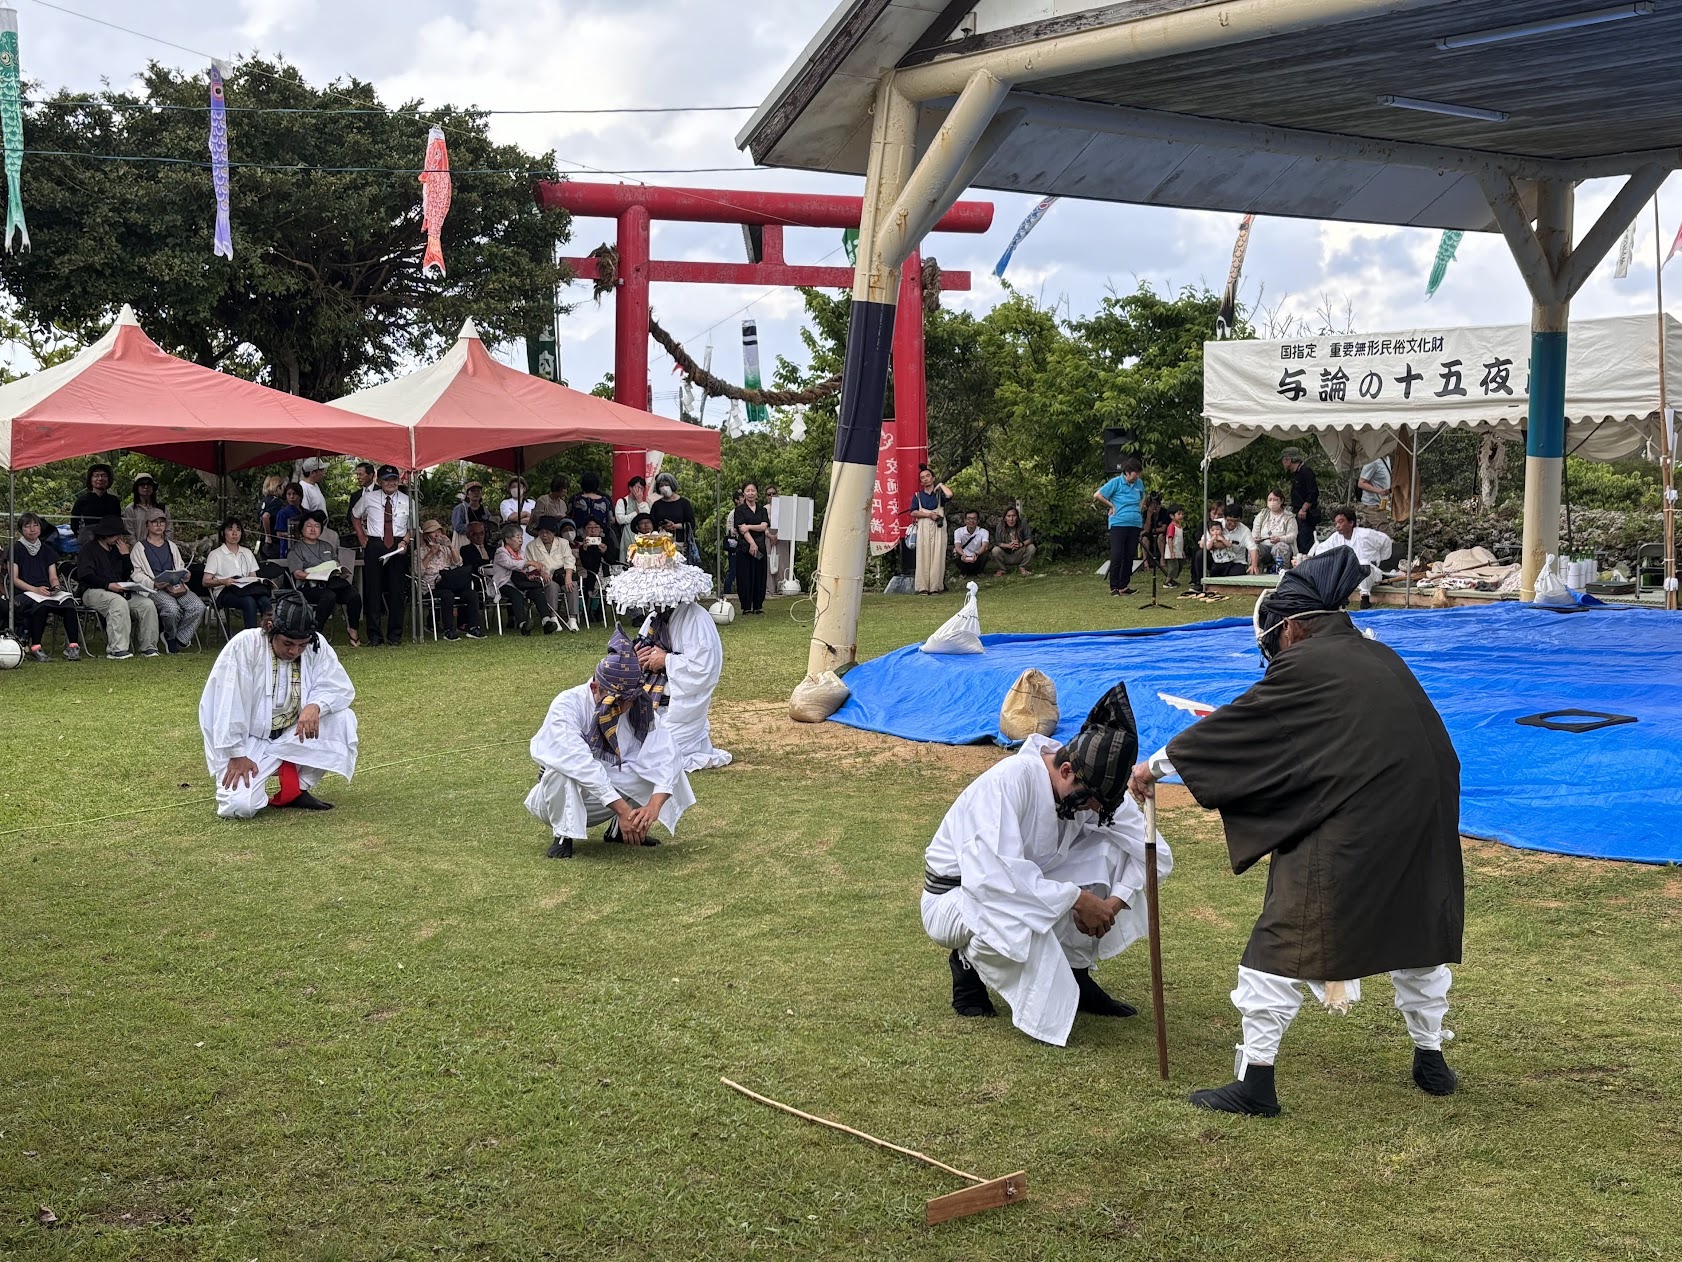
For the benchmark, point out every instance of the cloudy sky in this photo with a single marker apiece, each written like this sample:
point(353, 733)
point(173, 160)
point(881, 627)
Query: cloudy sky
point(571, 54)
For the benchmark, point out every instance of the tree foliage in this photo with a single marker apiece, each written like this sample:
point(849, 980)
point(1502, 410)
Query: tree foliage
point(324, 293)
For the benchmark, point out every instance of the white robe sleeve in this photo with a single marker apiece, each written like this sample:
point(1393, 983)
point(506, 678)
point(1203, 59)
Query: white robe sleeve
point(657, 760)
point(560, 746)
point(325, 683)
point(1012, 897)
point(229, 704)
point(695, 662)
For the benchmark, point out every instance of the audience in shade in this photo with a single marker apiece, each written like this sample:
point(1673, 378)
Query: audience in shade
point(521, 581)
point(1174, 544)
point(286, 520)
point(106, 577)
point(591, 551)
point(325, 593)
point(269, 504)
point(971, 542)
point(478, 552)
point(516, 507)
point(450, 584)
point(230, 573)
point(314, 473)
point(388, 518)
point(1275, 533)
point(41, 594)
point(364, 483)
point(590, 505)
point(95, 502)
point(162, 573)
point(674, 514)
point(1014, 545)
point(140, 510)
point(555, 502)
point(553, 557)
point(471, 509)
point(626, 510)
point(1226, 549)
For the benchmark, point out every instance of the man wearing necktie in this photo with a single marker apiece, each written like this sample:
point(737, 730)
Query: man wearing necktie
point(384, 512)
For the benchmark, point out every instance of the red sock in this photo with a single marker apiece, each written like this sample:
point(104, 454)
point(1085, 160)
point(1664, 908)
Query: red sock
point(289, 786)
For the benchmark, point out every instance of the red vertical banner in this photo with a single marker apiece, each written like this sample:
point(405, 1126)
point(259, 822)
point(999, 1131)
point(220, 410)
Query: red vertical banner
point(889, 496)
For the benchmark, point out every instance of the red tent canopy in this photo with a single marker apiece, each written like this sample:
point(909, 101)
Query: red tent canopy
point(125, 392)
point(467, 406)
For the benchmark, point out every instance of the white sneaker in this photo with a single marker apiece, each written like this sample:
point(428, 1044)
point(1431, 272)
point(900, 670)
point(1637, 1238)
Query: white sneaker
point(572, 624)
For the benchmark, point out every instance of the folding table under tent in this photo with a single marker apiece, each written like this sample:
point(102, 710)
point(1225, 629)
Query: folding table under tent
point(469, 406)
point(1353, 393)
point(126, 392)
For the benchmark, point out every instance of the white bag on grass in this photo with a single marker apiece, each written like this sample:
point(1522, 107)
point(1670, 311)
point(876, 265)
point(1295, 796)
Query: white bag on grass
point(961, 633)
point(1550, 588)
point(814, 700)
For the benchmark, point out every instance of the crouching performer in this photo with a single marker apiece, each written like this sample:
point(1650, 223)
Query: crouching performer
point(1336, 766)
point(277, 703)
point(604, 759)
point(1037, 873)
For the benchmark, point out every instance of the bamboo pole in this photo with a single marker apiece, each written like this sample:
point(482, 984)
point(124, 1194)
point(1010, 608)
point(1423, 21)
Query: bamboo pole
point(1667, 448)
point(1155, 920)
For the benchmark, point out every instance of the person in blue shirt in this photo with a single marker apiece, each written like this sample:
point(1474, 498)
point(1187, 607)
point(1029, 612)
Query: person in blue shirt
point(1124, 498)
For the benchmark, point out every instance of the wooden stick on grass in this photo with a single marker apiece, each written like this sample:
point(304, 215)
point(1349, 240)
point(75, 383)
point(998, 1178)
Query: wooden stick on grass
point(1155, 936)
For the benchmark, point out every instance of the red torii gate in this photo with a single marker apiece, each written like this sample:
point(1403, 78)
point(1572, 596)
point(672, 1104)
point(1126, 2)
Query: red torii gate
point(635, 206)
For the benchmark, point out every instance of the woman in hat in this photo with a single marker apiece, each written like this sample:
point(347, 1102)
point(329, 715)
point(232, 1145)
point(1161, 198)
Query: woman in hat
point(94, 502)
point(140, 510)
point(447, 581)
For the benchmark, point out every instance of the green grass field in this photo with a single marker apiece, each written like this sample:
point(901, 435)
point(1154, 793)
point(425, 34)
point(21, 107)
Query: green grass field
point(396, 1031)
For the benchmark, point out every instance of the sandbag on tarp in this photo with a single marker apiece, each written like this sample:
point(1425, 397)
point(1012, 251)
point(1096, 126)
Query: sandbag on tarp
point(1615, 792)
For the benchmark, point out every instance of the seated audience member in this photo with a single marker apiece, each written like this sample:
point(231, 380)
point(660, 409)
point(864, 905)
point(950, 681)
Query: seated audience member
point(605, 759)
point(144, 504)
point(517, 507)
point(553, 555)
point(1015, 543)
point(40, 593)
point(521, 581)
point(971, 543)
point(592, 553)
point(555, 502)
point(1275, 533)
point(627, 509)
point(1226, 548)
point(478, 552)
point(1372, 547)
point(450, 583)
point(471, 509)
point(230, 574)
point(95, 502)
point(286, 520)
point(323, 594)
point(179, 609)
point(106, 576)
point(1174, 544)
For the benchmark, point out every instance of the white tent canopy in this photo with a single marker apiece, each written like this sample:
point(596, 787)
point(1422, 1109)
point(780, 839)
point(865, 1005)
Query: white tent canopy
point(1353, 392)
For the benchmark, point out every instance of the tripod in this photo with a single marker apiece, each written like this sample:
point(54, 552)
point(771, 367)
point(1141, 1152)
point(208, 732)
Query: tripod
point(1153, 558)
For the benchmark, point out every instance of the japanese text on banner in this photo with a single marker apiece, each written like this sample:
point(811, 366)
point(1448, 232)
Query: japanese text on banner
point(888, 496)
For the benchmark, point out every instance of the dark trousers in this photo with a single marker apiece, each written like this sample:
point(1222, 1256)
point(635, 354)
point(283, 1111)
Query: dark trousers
point(336, 592)
point(252, 603)
point(730, 571)
point(1305, 532)
point(40, 615)
point(521, 589)
point(385, 591)
point(971, 568)
point(1201, 565)
point(458, 600)
point(750, 579)
point(1124, 545)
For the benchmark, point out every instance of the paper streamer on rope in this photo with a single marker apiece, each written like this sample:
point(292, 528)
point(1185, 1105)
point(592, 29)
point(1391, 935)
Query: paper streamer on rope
point(435, 199)
point(1674, 245)
point(758, 413)
point(1445, 255)
point(219, 160)
point(1626, 253)
point(850, 243)
point(1226, 319)
point(11, 123)
point(1022, 231)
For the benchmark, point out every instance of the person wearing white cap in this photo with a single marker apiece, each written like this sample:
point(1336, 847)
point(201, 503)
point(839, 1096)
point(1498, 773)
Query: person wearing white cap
point(314, 473)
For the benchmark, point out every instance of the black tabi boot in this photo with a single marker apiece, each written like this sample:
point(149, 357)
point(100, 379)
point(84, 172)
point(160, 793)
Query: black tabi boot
point(306, 801)
point(1097, 1001)
point(1252, 1095)
point(612, 836)
point(1431, 1073)
point(969, 992)
point(560, 848)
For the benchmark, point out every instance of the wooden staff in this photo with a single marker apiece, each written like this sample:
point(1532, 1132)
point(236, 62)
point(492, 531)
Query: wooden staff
point(1155, 935)
point(986, 1194)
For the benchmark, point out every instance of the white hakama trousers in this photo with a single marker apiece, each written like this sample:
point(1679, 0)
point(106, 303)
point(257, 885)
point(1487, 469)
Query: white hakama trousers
point(1041, 991)
point(333, 750)
point(693, 736)
point(571, 808)
point(1268, 1003)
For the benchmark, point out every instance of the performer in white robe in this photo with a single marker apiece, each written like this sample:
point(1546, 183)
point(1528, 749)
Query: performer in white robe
point(1371, 547)
point(277, 703)
point(603, 757)
point(678, 644)
point(1037, 873)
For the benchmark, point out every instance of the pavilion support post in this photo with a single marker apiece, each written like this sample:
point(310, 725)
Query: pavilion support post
point(911, 391)
point(12, 538)
point(838, 583)
point(630, 337)
point(1544, 461)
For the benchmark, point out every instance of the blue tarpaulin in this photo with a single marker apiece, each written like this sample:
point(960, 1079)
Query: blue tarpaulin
point(1612, 793)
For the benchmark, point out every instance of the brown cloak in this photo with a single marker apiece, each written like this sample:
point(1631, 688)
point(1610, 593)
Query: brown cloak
point(1338, 766)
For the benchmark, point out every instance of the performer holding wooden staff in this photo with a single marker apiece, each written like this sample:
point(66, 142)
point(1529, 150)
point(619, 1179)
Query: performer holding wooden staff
point(1336, 766)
